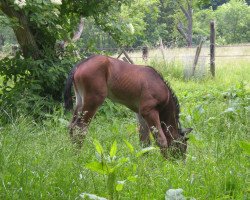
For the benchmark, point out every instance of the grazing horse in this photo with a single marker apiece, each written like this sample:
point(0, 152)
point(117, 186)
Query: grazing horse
point(140, 88)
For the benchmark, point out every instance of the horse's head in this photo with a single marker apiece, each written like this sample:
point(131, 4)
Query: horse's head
point(178, 142)
point(181, 142)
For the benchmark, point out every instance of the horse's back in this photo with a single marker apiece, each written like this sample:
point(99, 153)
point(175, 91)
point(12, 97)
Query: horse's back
point(133, 85)
point(122, 82)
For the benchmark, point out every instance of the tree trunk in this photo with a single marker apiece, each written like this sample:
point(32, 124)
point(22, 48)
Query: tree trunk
point(187, 32)
point(190, 23)
point(23, 33)
point(2, 41)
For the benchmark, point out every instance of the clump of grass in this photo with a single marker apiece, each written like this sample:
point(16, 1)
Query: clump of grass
point(168, 69)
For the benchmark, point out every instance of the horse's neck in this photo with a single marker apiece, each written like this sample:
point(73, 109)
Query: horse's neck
point(169, 120)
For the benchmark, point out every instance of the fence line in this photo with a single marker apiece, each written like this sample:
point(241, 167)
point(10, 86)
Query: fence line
point(219, 56)
point(222, 52)
point(175, 52)
point(171, 47)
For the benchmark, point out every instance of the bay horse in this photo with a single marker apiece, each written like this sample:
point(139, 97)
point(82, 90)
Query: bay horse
point(140, 88)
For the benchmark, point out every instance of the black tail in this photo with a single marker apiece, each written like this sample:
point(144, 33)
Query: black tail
point(68, 100)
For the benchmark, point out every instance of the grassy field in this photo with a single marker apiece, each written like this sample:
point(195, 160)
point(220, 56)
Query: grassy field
point(38, 161)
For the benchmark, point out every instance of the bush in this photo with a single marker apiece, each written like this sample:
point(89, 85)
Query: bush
point(233, 22)
point(29, 84)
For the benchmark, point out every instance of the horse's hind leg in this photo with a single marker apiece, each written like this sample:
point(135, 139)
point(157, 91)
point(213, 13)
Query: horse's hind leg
point(75, 123)
point(78, 108)
point(90, 105)
point(143, 130)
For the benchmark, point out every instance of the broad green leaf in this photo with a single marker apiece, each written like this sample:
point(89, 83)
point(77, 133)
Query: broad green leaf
point(119, 164)
point(129, 145)
point(145, 150)
point(98, 147)
point(119, 186)
point(97, 167)
point(113, 149)
point(132, 178)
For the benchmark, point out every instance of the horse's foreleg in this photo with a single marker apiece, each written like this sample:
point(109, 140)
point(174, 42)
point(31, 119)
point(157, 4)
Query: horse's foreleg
point(143, 130)
point(153, 120)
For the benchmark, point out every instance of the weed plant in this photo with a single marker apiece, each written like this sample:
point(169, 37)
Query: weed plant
point(38, 161)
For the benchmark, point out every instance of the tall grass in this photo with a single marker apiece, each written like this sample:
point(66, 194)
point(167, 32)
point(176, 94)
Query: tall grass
point(38, 161)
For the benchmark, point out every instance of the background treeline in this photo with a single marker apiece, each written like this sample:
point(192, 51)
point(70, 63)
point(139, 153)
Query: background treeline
point(160, 20)
point(143, 22)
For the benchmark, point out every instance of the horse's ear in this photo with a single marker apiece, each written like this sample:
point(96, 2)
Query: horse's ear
point(185, 131)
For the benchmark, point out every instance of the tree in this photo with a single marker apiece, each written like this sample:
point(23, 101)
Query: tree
point(186, 31)
point(211, 3)
point(166, 21)
point(233, 22)
point(40, 24)
point(202, 19)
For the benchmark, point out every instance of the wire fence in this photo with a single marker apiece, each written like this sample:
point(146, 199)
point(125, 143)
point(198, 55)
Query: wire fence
point(222, 51)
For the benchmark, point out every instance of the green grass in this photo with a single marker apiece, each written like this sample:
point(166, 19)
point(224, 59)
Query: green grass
point(38, 161)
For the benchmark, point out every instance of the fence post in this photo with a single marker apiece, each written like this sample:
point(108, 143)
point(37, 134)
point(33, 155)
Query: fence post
point(145, 53)
point(197, 54)
point(212, 48)
point(128, 58)
point(162, 50)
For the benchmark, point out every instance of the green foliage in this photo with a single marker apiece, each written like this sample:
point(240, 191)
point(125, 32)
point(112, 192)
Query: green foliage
point(127, 24)
point(210, 3)
point(35, 83)
point(202, 20)
point(245, 145)
point(233, 22)
point(109, 165)
point(161, 23)
point(156, 19)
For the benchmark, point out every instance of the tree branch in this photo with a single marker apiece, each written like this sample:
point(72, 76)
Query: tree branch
point(76, 36)
point(181, 30)
point(184, 11)
point(190, 10)
point(186, 32)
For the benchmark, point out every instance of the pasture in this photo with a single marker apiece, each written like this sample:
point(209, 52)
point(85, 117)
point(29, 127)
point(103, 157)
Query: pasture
point(38, 161)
